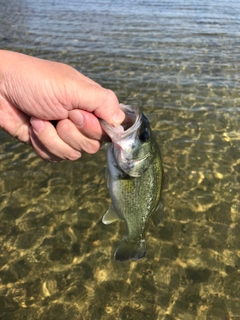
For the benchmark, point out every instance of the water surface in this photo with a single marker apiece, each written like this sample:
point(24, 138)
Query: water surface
point(178, 61)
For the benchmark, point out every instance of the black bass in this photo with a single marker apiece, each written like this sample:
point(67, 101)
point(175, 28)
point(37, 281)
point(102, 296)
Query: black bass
point(134, 178)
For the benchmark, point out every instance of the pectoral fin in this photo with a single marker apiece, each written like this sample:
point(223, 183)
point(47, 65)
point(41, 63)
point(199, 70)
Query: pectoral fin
point(158, 214)
point(110, 216)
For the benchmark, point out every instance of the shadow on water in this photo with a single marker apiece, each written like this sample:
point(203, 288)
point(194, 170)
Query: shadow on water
point(179, 62)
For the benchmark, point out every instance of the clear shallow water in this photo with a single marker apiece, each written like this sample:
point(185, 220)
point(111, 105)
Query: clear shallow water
point(179, 61)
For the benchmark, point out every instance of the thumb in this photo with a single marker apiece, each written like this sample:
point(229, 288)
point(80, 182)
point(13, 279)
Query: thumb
point(102, 102)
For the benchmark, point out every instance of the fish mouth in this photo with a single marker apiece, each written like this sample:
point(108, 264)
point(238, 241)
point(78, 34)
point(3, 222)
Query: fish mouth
point(124, 138)
point(129, 126)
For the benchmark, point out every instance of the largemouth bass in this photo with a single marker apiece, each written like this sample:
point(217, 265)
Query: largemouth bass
point(134, 178)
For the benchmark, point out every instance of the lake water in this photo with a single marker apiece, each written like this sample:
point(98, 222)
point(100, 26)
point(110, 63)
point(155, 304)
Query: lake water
point(179, 61)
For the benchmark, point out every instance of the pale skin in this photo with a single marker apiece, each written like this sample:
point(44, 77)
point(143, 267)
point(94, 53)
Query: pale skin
point(34, 91)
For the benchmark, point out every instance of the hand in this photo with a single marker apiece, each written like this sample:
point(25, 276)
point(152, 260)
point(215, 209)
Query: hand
point(34, 91)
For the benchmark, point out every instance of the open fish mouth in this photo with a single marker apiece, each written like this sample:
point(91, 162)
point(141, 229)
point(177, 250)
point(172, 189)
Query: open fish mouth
point(130, 152)
point(129, 127)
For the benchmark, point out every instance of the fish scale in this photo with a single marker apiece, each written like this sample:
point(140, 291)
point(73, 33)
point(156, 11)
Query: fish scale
point(134, 201)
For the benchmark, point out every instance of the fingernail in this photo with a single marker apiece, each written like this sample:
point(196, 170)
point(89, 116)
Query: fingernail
point(76, 117)
point(37, 124)
point(119, 117)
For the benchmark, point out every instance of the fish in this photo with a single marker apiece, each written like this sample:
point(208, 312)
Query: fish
point(134, 177)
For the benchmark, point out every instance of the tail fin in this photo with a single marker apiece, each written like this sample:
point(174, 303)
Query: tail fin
point(130, 250)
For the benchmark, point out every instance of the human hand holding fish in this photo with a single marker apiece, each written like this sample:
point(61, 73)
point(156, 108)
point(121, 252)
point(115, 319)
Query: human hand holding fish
point(33, 92)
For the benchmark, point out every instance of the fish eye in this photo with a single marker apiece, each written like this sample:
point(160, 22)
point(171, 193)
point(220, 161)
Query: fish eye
point(144, 136)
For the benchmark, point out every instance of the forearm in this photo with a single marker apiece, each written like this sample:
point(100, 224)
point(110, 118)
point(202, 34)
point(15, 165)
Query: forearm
point(3, 71)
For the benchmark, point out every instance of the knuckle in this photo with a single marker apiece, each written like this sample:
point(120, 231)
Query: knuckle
point(22, 134)
point(105, 96)
point(110, 97)
point(63, 128)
